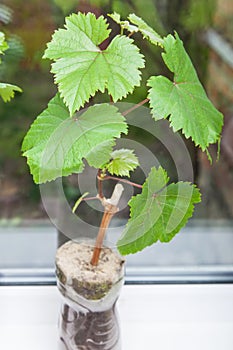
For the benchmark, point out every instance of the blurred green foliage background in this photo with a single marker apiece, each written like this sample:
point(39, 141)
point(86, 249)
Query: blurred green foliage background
point(28, 26)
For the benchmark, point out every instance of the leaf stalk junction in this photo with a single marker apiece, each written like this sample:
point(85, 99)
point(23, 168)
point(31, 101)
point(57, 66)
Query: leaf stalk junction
point(110, 208)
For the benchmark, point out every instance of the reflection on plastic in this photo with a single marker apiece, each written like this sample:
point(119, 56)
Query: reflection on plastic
point(85, 330)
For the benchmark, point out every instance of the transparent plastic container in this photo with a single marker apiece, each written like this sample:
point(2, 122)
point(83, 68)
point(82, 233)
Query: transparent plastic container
point(86, 324)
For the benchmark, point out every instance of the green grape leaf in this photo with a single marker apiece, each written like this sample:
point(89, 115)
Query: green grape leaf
point(147, 32)
point(3, 43)
point(158, 213)
point(56, 144)
point(122, 162)
point(184, 100)
point(100, 154)
point(7, 91)
point(81, 68)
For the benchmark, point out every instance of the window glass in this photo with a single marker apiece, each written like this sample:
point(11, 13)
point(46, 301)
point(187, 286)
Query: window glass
point(28, 236)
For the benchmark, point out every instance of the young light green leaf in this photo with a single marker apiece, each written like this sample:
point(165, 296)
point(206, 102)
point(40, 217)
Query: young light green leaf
point(147, 32)
point(138, 26)
point(122, 162)
point(3, 43)
point(56, 144)
point(184, 100)
point(78, 58)
point(124, 24)
point(115, 17)
point(7, 91)
point(158, 213)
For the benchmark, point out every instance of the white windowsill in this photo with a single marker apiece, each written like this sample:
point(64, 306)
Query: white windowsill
point(164, 317)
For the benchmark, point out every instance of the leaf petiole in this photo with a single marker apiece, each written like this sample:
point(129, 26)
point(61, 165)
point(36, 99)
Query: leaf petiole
point(109, 177)
point(135, 106)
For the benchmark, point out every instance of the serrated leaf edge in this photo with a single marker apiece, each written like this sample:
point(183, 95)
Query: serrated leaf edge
point(179, 227)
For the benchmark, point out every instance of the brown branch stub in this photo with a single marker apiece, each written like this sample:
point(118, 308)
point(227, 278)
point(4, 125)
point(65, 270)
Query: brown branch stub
point(100, 237)
point(100, 187)
point(110, 208)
